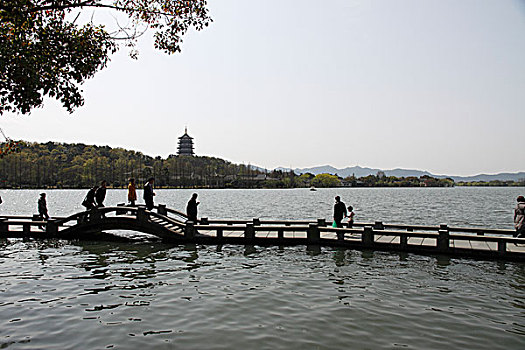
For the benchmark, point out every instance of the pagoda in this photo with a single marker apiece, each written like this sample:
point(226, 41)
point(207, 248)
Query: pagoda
point(185, 144)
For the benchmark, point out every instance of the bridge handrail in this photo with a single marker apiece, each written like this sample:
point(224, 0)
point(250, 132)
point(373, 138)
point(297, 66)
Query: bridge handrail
point(176, 212)
point(262, 222)
point(103, 210)
point(452, 236)
point(477, 230)
point(433, 235)
point(26, 222)
point(256, 228)
point(22, 217)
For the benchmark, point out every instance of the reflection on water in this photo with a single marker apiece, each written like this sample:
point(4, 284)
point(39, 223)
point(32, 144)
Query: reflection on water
point(158, 295)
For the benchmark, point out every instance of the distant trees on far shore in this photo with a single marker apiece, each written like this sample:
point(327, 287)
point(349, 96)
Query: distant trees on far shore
point(61, 165)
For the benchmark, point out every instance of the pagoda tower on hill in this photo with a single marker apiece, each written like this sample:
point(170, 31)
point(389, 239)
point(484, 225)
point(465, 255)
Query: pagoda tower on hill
point(185, 144)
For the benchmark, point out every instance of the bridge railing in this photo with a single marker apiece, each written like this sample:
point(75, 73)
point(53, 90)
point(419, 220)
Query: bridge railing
point(378, 225)
point(31, 223)
point(441, 241)
point(178, 214)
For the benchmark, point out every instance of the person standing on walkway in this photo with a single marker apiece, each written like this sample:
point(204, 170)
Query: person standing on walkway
point(339, 211)
point(132, 192)
point(100, 194)
point(42, 207)
point(519, 218)
point(148, 193)
point(191, 208)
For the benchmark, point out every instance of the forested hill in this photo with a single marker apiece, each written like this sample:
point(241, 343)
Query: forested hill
point(77, 165)
point(62, 165)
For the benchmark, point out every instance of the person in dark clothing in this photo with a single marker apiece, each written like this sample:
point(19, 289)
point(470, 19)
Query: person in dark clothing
point(191, 208)
point(148, 193)
point(100, 194)
point(89, 200)
point(42, 207)
point(339, 211)
point(519, 218)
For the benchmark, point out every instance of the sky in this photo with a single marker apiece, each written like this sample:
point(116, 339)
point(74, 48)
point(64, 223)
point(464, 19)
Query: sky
point(436, 85)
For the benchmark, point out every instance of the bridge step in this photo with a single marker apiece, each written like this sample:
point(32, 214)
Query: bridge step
point(167, 225)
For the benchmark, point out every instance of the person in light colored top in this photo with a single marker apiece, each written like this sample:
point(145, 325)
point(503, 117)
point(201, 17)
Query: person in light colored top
point(350, 215)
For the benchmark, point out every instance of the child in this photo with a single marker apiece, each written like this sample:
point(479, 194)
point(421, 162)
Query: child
point(350, 216)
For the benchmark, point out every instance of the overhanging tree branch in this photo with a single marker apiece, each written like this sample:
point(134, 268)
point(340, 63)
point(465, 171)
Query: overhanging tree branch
point(43, 52)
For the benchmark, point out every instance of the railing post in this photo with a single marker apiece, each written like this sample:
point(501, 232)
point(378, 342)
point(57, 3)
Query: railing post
point(249, 232)
point(502, 246)
point(4, 227)
point(443, 241)
point(220, 233)
point(256, 222)
point(379, 225)
point(340, 236)
point(368, 236)
point(189, 231)
point(141, 214)
point(26, 228)
point(480, 233)
point(119, 211)
point(443, 227)
point(403, 241)
point(204, 221)
point(313, 235)
point(280, 234)
point(51, 227)
point(95, 214)
point(321, 222)
point(161, 209)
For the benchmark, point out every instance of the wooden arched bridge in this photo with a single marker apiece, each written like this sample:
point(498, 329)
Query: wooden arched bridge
point(172, 226)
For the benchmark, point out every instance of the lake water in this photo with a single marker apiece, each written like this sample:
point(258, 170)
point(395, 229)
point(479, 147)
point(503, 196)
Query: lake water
point(57, 294)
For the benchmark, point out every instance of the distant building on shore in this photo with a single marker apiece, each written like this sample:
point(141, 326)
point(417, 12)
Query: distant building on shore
point(185, 147)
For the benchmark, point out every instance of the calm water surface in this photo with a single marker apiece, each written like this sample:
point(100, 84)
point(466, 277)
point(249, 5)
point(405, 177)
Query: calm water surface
point(96, 295)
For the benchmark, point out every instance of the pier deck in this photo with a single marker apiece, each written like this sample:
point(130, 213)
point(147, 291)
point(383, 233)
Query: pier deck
point(172, 226)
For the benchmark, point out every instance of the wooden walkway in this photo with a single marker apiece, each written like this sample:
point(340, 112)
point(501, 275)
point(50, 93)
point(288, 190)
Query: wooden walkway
point(172, 226)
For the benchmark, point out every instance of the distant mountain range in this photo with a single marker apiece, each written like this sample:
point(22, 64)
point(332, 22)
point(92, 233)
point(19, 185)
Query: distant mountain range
point(358, 171)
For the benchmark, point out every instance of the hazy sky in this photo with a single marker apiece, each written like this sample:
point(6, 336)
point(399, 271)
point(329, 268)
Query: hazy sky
point(436, 85)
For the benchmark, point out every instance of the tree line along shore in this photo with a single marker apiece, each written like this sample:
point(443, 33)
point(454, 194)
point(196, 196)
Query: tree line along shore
point(62, 165)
